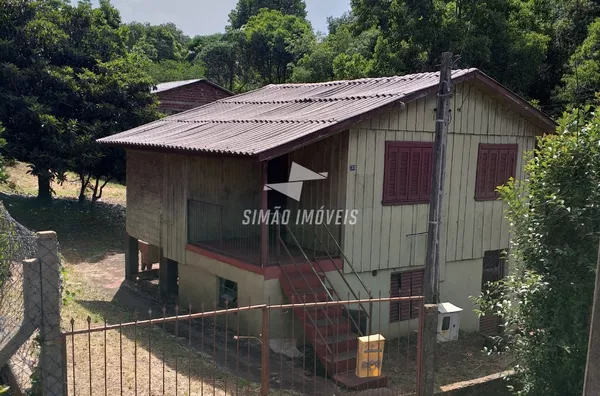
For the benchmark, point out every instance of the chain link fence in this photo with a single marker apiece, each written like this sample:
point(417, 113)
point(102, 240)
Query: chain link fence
point(30, 296)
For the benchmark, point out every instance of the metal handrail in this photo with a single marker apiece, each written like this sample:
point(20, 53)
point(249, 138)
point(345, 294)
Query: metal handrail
point(356, 325)
point(367, 314)
point(347, 260)
point(370, 314)
point(280, 240)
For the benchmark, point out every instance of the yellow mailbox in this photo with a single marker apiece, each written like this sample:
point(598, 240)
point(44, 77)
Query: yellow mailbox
point(370, 356)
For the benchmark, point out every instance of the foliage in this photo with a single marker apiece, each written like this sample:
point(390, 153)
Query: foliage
point(157, 42)
point(246, 9)
point(220, 56)
point(274, 41)
point(68, 80)
point(582, 79)
point(555, 218)
point(172, 70)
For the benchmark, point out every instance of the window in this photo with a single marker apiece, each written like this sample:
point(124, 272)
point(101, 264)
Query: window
point(496, 163)
point(446, 323)
point(406, 284)
point(227, 293)
point(407, 172)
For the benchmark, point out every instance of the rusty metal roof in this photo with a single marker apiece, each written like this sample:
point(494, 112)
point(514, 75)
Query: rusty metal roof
point(258, 121)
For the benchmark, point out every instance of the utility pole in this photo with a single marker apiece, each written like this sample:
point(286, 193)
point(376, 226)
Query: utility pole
point(432, 262)
point(591, 385)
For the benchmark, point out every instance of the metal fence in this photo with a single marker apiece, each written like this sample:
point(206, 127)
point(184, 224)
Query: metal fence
point(254, 349)
point(30, 298)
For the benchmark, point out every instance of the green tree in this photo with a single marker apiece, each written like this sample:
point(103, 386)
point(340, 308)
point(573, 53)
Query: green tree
point(172, 70)
point(582, 79)
point(274, 42)
point(158, 42)
point(546, 301)
point(67, 79)
point(220, 54)
point(246, 9)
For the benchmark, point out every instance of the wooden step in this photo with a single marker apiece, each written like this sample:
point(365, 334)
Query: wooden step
point(317, 313)
point(341, 362)
point(333, 343)
point(351, 381)
point(332, 325)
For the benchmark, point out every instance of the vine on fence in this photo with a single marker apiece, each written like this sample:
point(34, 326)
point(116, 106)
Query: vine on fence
point(555, 221)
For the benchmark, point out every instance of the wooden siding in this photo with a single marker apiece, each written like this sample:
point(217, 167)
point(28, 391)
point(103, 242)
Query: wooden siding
point(159, 186)
point(395, 236)
point(325, 156)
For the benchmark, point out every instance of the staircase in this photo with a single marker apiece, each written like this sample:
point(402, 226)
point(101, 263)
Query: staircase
point(332, 331)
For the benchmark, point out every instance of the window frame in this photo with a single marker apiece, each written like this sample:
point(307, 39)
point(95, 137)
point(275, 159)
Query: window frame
point(487, 195)
point(406, 145)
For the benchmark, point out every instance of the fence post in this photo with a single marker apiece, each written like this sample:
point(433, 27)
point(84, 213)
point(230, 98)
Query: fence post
point(51, 363)
point(265, 354)
point(426, 350)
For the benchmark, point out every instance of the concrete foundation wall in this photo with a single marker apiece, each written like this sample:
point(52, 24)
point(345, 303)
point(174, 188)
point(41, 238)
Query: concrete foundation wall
point(463, 279)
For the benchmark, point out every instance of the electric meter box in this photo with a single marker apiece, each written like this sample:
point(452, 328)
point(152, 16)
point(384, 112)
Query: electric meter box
point(448, 322)
point(369, 356)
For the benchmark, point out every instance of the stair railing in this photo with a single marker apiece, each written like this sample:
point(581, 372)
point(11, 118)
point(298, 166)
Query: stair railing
point(331, 297)
point(281, 241)
point(339, 248)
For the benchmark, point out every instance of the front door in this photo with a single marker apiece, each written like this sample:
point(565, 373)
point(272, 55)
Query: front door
point(493, 270)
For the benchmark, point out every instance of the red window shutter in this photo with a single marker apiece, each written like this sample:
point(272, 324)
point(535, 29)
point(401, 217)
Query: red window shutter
point(403, 172)
point(414, 174)
point(417, 280)
point(481, 173)
point(407, 172)
point(395, 292)
point(426, 174)
point(496, 163)
point(391, 172)
point(405, 291)
point(492, 174)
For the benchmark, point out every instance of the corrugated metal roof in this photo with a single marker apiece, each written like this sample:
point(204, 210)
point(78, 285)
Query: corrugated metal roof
point(172, 84)
point(261, 120)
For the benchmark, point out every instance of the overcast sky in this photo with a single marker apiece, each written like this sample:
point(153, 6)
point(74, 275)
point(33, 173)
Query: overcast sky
point(210, 16)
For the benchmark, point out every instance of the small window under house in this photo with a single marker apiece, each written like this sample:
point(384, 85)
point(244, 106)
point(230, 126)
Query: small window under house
point(407, 172)
point(496, 163)
point(228, 291)
point(406, 284)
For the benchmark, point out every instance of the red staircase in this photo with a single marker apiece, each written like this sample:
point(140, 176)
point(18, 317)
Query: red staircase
point(329, 329)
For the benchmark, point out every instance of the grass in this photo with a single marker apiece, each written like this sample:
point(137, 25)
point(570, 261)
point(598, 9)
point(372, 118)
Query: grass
point(22, 183)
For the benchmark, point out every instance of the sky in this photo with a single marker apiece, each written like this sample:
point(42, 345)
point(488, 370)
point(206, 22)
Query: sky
point(200, 17)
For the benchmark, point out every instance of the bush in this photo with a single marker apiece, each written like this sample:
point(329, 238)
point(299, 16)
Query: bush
point(555, 220)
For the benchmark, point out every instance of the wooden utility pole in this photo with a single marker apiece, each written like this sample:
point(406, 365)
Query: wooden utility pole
point(432, 262)
point(591, 385)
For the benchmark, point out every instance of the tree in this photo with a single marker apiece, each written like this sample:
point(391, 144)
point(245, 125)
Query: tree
point(172, 70)
point(220, 56)
point(246, 9)
point(158, 42)
point(546, 302)
point(67, 79)
point(274, 42)
point(582, 79)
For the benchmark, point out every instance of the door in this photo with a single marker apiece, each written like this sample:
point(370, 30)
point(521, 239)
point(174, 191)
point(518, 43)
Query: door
point(493, 270)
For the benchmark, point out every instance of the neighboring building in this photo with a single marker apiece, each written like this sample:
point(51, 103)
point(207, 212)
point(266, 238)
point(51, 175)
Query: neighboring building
point(190, 179)
point(178, 96)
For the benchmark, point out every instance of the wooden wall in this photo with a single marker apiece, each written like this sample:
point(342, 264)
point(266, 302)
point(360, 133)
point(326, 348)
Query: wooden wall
point(394, 236)
point(159, 186)
point(327, 155)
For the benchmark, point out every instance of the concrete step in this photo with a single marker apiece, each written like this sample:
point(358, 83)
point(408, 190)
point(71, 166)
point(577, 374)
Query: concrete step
point(351, 381)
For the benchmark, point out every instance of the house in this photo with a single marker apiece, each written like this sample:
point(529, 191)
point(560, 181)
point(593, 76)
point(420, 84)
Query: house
point(178, 96)
point(358, 154)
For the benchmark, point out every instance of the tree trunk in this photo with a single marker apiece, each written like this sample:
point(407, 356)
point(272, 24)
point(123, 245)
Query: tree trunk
point(44, 190)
